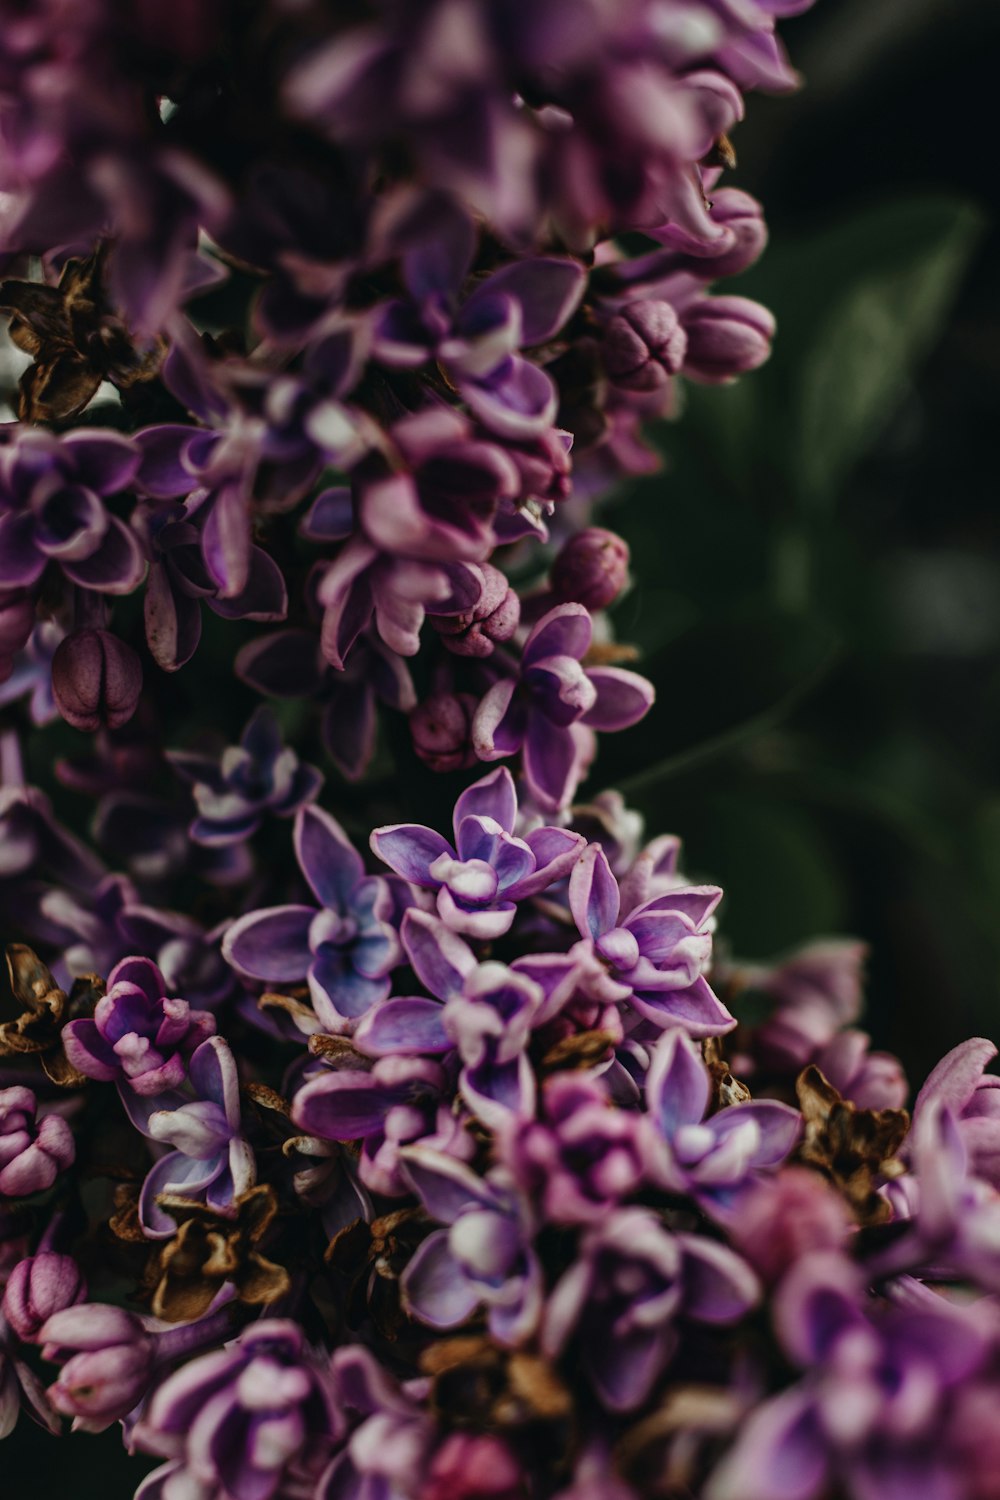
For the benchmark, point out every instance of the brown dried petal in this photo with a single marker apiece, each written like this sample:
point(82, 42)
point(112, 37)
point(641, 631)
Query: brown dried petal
point(726, 1089)
point(31, 981)
point(59, 1070)
point(57, 388)
point(853, 1147)
point(583, 1049)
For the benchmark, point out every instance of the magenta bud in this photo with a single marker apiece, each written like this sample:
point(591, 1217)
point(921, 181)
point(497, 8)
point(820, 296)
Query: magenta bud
point(493, 618)
point(473, 1466)
point(38, 1287)
point(109, 1363)
point(591, 569)
point(786, 1216)
point(727, 336)
point(96, 680)
point(744, 218)
point(33, 1151)
point(441, 727)
point(644, 345)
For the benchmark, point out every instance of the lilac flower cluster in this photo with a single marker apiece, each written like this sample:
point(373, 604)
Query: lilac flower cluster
point(442, 339)
point(344, 1156)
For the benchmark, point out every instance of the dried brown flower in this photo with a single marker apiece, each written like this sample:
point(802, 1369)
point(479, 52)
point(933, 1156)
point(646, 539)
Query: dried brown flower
point(852, 1147)
point(726, 1089)
point(582, 1049)
point(45, 1008)
point(371, 1257)
point(208, 1250)
point(75, 341)
point(475, 1380)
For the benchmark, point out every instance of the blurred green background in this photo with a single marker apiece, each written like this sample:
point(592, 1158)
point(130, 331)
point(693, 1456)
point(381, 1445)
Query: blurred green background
point(819, 574)
point(818, 569)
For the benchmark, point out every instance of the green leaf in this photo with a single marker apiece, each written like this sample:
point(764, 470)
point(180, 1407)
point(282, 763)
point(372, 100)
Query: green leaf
point(859, 306)
point(719, 684)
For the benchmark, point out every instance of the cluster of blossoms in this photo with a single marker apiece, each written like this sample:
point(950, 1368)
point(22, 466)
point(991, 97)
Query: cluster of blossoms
point(421, 1163)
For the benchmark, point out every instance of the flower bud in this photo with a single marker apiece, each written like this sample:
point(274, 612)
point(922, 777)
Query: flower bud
point(96, 680)
point(109, 1365)
point(493, 618)
point(441, 727)
point(40, 1286)
point(744, 237)
point(726, 337)
point(644, 345)
point(785, 1216)
point(32, 1152)
point(473, 1466)
point(591, 569)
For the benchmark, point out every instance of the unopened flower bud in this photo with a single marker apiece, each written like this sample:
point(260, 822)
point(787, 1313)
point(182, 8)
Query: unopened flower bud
point(644, 345)
point(785, 1217)
point(96, 680)
point(110, 1360)
point(591, 569)
point(744, 237)
point(493, 618)
point(38, 1287)
point(473, 1466)
point(441, 727)
point(727, 336)
point(32, 1152)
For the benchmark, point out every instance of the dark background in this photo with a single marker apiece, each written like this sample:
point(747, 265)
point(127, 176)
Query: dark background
point(818, 574)
point(819, 582)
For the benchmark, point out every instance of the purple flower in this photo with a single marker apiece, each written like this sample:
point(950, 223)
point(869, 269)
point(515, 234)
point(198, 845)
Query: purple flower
point(257, 776)
point(973, 1097)
point(37, 1288)
point(786, 1216)
point(52, 510)
point(871, 1417)
point(713, 1159)
point(619, 1300)
point(20, 1385)
point(656, 956)
point(388, 1447)
point(17, 617)
point(398, 1102)
point(871, 1080)
point(108, 1363)
point(581, 1159)
point(33, 1149)
point(544, 709)
point(523, 304)
point(180, 582)
point(212, 1162)
point(290, 664)
point(481, 879)
point(488, 1015)
point(138, 1037)
point(31, 673)
point(345, 949)
point(817, 990)
point(251, 1418)
point(483, 1259)
point(96, 680)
